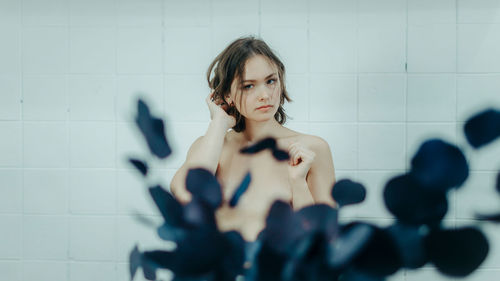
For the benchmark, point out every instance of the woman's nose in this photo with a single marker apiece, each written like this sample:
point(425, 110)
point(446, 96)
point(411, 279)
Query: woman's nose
point(264, 93)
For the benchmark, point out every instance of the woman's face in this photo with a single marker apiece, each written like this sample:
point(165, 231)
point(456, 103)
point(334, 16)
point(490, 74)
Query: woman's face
point(260, 86)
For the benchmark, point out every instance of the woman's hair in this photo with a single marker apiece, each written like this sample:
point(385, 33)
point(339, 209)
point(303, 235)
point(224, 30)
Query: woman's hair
point(230, 65)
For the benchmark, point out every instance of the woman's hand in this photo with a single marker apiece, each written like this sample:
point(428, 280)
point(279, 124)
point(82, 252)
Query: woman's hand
point(218, 111)
point(300, 161)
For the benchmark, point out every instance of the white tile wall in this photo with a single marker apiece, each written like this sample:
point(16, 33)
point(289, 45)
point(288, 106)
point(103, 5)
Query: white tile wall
point(381, 98)
point(10, 97)
point(10, 51)
point(11, 270)
point(381, 48)
point(436, 41)
point(138, 50)
point(139, 13)
point(45, 97)
point(82, 271)
point(92, 50)
point(430, 98)
point(45, 270)
point(45, 50)
point(11, 242)
point(71, 72)
point(51, 12)
point(11, 191)
point(92, 191)
point(45, 191)
point(11, 144)
point(92, 238)
point(45, 237)
point(432, 12)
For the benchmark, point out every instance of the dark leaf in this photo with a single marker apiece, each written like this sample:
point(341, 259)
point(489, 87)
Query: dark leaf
point(280, 155)
point(379, 256)
point(412, 204)
point(483, 128)
point(353, 275)
point(498, 182)
point(145, 220)
point(492, 217)
point(410, 244)
point(139, 165)
point(457, 252)
point(266, 143)
point(199, 253)
point(240, 190)
point(171, 233)
point(153, 130)
point(282, 228)
point(135, 261)
point(204, 186)
point(352, 239)
point(346, 192)
point(169, 207)
point(234, 257)
point(439, 165)
point(319, 218)
point(307, 260)
point(198, 213)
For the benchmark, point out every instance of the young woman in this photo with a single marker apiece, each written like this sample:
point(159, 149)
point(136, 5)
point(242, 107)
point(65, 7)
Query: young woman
point(248, 92)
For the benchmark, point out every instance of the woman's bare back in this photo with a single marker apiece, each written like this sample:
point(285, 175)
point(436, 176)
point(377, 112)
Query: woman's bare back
point(269, 183)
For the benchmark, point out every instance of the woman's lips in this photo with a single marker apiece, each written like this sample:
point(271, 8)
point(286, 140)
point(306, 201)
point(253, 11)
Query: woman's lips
point(264, 107)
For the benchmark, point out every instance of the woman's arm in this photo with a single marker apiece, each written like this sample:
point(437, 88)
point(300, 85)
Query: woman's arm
point(205, 153)
point(321, 176)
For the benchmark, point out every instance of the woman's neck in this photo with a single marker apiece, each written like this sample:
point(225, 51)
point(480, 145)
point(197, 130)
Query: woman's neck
point(255, 131)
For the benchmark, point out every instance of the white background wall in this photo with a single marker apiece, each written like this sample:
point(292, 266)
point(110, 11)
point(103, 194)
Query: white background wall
point(70, 71)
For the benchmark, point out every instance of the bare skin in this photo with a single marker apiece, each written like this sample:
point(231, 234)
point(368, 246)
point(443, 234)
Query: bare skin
point(269, 183)
point(306, 179)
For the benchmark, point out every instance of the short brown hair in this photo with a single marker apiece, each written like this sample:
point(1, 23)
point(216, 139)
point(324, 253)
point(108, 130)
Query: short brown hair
point(230, 65)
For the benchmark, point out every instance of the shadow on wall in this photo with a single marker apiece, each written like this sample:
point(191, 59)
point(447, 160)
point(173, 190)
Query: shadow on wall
point(311, 244)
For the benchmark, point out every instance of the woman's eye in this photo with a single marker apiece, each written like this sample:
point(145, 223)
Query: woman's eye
point(247, 86)
point(271, 81)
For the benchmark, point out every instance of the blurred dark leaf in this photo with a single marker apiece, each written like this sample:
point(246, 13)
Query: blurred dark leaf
point(139, 165)
point(167, 204)
point(282, 228)
point(234, 257)
point(352, 239)
point(346, 192)
point(153, 130)
point(307, 260)
point(204, 186)
point(240, 190)
point(145, 220)
point(410, 244)
point(266, 143)
point(457, 252)
point(171, 233)
point(412, 204)
point(198, 213)
point(135, 261)
point(491, 217)
point(438, 165)
point(498, 182)
point(483, 128)
point(198, 254)
point(280, 155)
point(380, 255)
point(353, 275)
point(319, 218)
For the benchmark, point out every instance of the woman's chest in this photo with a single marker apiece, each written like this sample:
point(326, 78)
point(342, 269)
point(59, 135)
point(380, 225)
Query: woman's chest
point(269, 177)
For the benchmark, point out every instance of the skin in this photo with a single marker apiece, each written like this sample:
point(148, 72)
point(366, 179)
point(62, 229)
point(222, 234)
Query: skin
point(306, 179)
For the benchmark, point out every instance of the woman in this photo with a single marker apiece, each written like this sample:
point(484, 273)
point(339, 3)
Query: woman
point(248, 94)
